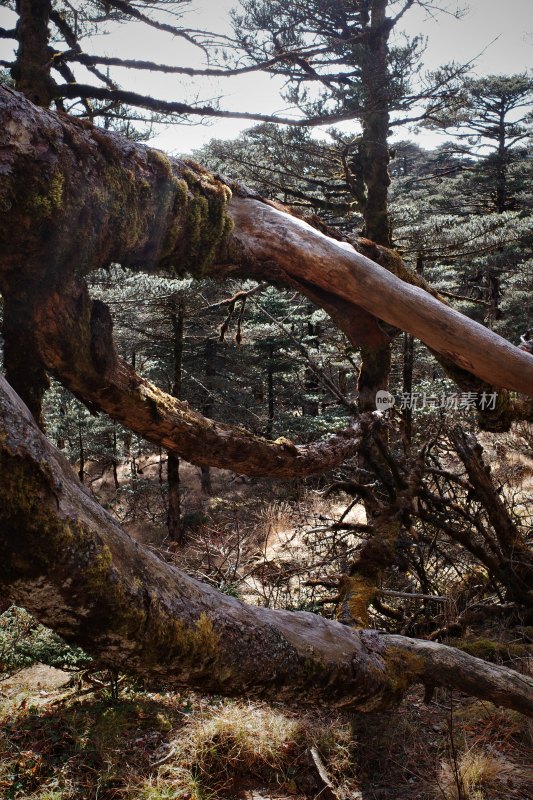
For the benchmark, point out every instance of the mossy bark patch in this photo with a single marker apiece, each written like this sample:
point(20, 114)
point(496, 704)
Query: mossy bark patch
point(134, 206)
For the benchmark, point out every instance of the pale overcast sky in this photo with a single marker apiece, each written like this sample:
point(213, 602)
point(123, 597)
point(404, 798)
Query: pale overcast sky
point(500, 31)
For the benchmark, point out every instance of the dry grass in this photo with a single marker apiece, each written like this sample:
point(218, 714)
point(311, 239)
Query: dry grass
point(162, 747)
point(276, 517)
point(231, 741)
point(476, 775)
point(241, 742)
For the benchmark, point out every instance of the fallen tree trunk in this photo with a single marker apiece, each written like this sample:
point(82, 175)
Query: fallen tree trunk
point(267, 235)
point(81, 199)
point(69, 562)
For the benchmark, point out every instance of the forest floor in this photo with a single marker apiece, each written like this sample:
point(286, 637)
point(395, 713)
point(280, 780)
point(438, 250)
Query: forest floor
point(60, 741)
point(66, 736)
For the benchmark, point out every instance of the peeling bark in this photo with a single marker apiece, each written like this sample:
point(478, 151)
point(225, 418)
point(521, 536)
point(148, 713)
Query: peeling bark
point(69, 562)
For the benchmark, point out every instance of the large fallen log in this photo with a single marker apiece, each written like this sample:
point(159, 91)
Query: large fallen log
point(67, 561)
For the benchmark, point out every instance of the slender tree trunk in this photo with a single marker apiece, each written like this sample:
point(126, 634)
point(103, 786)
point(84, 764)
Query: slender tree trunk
point(375, 79)
point(81, 453)
point(407, 387)
point(271, 402)
point(114, 462)
point(207, 408)
point(502, 165)
point(175, 530)
point(127, 438)
point(407, 371)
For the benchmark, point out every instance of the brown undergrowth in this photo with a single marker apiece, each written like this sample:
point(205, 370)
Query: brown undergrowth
point(59, 744)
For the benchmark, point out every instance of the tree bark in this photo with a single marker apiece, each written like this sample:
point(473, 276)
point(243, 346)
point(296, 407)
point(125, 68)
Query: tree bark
point(23, 365)
point(407, 388)
point(69, 562)
point(376, 85)
point(175, 529)
point(294, 247)
point(31, 71)
point(270, 390)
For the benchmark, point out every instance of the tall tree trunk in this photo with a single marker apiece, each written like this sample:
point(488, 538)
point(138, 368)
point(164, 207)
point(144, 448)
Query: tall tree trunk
point(207, 408)
point(270, 392)
point(502, 163)
point(379, 551)
point(81, 453)
point(407, 370)
point(114, 461)
point(31, 74)
point(175, 530)
point(407, 387)
point(375, 80)
point(361, 586)
point(31, 71)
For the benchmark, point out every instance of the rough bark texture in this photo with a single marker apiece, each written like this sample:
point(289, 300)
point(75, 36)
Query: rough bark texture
point(376, 86)
point(68, 562)
point(174, 526)
point(80, 199)
point(361, 587)
point(31, 71)
point(22, 362)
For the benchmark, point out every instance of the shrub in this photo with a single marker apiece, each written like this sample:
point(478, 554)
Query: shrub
point(24, 641)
